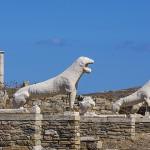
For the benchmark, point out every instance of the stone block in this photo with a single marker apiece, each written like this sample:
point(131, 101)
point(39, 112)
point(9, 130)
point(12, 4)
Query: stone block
point(99, 144)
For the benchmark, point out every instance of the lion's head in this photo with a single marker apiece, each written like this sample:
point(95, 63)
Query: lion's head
point(84, 62)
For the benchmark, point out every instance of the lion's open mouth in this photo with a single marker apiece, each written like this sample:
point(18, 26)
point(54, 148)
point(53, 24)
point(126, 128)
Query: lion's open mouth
point(87, 69)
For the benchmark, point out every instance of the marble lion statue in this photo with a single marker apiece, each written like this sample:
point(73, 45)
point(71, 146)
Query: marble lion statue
point(64, 83)
point(137, 99)
point(86, 105)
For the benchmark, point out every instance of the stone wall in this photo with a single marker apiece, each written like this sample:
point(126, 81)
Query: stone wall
point(142, 124)
point(108, 126)
point(33, 131)
point(20, 131)
point(51, 105)
point(61, 132)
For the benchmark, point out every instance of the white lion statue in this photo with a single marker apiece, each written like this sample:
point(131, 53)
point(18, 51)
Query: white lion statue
point(64, 83)
point(86, 105)
point(137, 99)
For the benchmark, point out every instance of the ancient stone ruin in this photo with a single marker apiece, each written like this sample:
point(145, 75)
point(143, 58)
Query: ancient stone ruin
point(46, 122)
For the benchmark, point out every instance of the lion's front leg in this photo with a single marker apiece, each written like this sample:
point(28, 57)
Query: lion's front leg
point(147, 100)
point(72, 97)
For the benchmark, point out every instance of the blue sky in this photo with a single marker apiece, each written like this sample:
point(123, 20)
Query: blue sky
point(42, 38)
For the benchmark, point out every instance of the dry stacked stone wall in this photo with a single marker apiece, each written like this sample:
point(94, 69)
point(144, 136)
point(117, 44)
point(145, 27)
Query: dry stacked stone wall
point(61, 132)
point(108, 126)
point(34, 131)
point(20, 131)
point(142, 125)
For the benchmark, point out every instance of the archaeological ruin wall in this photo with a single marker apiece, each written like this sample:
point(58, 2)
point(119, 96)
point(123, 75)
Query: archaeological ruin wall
point(108, 126)
point(31, 131)
point(142, 124)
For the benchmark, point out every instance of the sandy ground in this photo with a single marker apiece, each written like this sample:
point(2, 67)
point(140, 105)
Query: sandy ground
point(141, 142)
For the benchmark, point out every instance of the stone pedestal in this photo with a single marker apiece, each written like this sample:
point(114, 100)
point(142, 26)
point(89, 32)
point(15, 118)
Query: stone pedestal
point(61, 131)
point(20, 131)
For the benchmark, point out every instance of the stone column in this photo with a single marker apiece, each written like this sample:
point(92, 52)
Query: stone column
point(1, 68)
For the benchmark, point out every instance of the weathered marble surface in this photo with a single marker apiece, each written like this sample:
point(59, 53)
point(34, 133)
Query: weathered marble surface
point(86, 106)
point(137, 98)
point(65, 82)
